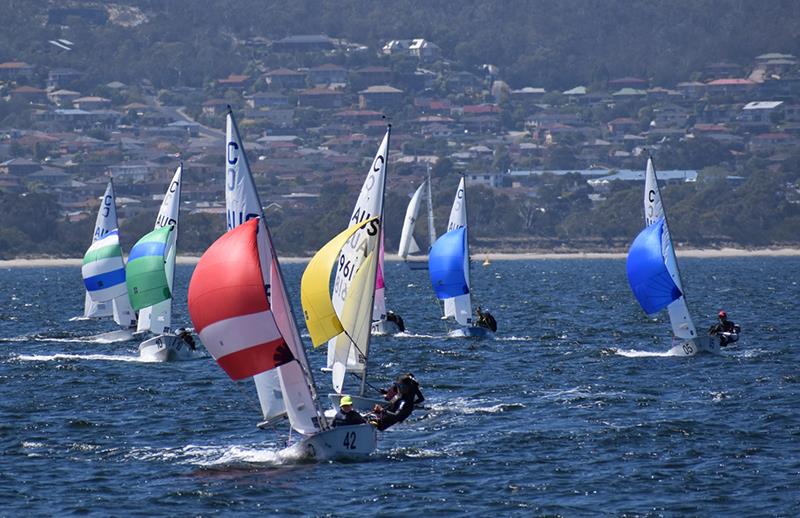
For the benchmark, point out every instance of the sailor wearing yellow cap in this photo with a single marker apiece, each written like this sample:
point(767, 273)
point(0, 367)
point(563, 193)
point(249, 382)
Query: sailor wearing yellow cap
point(346, 415)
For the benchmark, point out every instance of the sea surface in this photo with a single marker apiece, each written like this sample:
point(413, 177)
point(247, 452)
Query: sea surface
point(574, 409)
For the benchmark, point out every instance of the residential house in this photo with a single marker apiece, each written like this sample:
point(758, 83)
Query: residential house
point(14, 70)
point(772, 142)
point(692, 90)
point(63, 97)
point(670, 116)
point(576, 95)
point(380, 96)
point(721, 71)
point(493, 180)
point(528, 94)
point(19, 167)
point(480, 118)
point(28, 94)
point(629, 93)
point(235, 81)
point(622, 125)
point(369, 76)
point(60, 78)
point(424, 50)
point(327, 74)
point(285, 79)
point(463, 82)
point(304, 43)
point(321, 97)
point(91, 103)
point(214, 107)
point(760, 111)
point(733, 87)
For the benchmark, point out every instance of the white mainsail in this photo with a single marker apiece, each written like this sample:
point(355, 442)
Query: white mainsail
point(409, 245)
point(289, 388)
point(460, 307)
point(369, 204)
point(158, 317)
point(431, 227)
point(120, 307)
point(681, 321)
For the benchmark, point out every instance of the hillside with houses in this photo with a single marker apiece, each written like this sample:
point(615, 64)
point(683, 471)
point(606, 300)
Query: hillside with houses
point(553, 157)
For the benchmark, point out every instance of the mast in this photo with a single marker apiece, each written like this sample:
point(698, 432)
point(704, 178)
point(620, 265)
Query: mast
point(431, 228)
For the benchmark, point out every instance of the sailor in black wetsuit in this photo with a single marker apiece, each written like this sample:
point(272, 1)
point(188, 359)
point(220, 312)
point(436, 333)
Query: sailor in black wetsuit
point(401, 403)
point(724, 326)
point(485, 319)
point(186, 336)
point(391, 316)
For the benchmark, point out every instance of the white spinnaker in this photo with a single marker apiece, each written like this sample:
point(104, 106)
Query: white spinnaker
point(369, 204)
point(158, 317)
point(408, 245)
point(120, 308)
point(460, 307)
point(287, 389)
point(351, 346)
point(682, 325)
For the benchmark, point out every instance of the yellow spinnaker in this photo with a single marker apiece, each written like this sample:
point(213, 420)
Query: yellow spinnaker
point(315, 296)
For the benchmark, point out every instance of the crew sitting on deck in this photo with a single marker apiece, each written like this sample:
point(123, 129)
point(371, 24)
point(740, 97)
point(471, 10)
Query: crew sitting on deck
point(725, 329)
point(346, 416)
point(186, 336)
point(485, 319)
point(402, 397)
point(391, 316)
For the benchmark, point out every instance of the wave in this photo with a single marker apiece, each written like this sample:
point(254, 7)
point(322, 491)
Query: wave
point(633, 353)
point(513, 338)
point(221, 457)
point(406, 334)
point(91, 357)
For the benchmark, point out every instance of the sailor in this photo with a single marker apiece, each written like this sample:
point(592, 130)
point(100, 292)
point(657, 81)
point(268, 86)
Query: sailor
point(485, 319)
point(186, 336)
point(391, 316)
point(401, 403)
point(726, 330)
point(346, 416)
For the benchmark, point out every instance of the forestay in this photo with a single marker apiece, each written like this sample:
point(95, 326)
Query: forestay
point(158, 317)
point(353, 254)
point(681, 321)
point(118, 307)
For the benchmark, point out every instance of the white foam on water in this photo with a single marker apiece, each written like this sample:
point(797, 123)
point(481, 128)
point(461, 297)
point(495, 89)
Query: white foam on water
point(470, 407)
point(218, 456)
point(633, 353)
point(513, 338)
point(64, 356)
point(79, 318)
point(406, 334)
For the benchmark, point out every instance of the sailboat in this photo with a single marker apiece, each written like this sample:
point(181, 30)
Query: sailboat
point(356, 281)
point(103, 273)
point(240, 307)
point(654, 277)
point(151, 276)
point(448, 266)
point(408, 244)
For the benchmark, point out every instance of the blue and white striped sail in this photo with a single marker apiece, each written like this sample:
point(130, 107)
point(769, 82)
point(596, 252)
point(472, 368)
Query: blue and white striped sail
point(119, 307)
point(648, 276)
point(447, 265)
point(681, 321)
point(103, 269)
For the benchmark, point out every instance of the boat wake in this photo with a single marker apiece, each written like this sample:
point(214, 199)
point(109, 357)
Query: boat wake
point(220, 457)
point(513, 338)
point(406, 334)
point(461, 406)
point(90, 357)
point(633, 353)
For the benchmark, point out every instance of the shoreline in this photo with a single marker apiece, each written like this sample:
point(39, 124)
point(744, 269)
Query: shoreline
point(702, 253)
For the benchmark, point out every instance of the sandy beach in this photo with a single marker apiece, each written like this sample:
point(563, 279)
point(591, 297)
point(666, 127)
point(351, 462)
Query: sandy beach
point(38, 262)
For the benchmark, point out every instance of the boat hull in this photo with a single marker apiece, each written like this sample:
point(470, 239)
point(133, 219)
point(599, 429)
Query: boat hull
point(360, 403)
point(341, 443)
point(701, 344)
point(471, 332)
point(165, 348)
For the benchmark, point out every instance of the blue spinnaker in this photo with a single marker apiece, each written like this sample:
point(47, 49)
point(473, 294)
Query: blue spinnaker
point(446, 264)
point(648, 276)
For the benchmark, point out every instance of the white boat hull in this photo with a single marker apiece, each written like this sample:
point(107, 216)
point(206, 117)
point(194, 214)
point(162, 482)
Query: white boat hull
point(701, 344)
point(360, 403)
point(165, 348)
point(384, 327)
point(340, 443)
point(471, 332)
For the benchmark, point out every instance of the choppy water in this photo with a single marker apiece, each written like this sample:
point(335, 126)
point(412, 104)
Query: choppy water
point(571, 411)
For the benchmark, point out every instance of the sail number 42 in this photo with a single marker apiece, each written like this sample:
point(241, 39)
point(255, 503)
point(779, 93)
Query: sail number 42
point(350, 440)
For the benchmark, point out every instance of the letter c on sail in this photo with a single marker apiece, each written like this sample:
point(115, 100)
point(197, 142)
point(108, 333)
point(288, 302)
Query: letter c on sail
point(233, 153)
point(651, 195)
point(378, 163)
